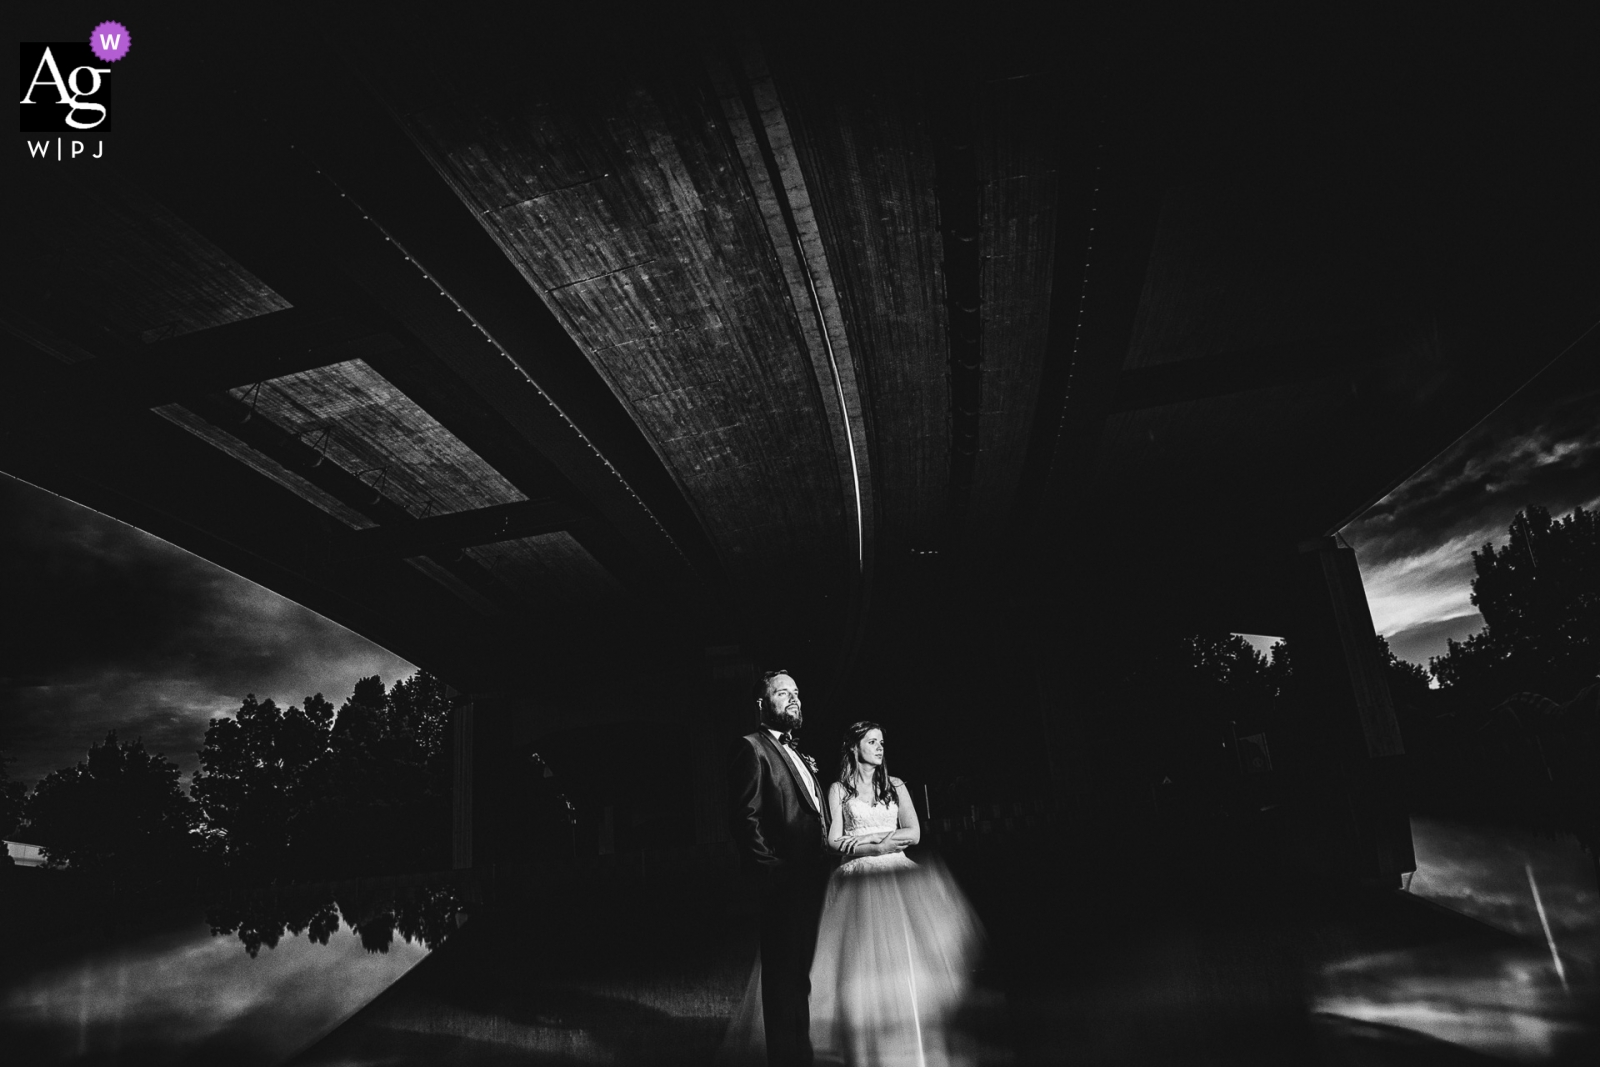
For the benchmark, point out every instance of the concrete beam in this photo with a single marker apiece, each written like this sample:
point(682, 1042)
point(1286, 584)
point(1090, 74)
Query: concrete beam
point(482, 526)
point(241, 353)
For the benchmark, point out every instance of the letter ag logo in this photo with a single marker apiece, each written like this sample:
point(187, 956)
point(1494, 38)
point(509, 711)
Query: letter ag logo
point(64, 89)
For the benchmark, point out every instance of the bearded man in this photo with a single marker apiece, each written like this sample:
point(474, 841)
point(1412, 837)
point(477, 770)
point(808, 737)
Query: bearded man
point(778, 827)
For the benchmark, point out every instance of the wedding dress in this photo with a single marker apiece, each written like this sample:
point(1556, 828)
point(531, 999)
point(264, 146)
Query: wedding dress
point(895, 951)
point(896, 946)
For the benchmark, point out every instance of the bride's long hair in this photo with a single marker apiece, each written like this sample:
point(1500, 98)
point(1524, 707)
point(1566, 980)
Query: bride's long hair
point(850, 766)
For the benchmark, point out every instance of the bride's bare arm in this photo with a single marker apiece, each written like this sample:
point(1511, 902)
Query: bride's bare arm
point(836, 839)
point(910, 830)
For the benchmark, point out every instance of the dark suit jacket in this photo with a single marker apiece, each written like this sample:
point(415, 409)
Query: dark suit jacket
point(777, 828)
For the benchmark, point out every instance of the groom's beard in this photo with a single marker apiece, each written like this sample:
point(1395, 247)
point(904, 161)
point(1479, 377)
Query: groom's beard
point(784, 720)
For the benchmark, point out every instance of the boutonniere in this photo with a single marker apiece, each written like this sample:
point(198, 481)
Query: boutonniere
point(810, 763)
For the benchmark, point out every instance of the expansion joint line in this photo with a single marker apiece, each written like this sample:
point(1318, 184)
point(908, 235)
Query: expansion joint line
point(1083, 291)
point(498, 347)
point(775, 178)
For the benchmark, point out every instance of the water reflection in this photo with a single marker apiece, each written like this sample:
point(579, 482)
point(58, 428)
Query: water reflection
point(1499, 994)
point(1505, 1003)
point(205, 992)
point(1483, 872)
point(425, 915)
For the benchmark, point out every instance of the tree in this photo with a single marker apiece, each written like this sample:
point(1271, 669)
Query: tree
point(1408, 682)
point(360, 725)
point(304, 793)
point(419, 714)
point(256, 771)
point(120, 812)
point(1540, 600)
point(1173, 711)
point(1227, 661)
point(383, 803)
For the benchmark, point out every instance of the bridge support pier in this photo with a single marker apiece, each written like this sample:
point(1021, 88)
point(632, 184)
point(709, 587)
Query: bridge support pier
point(1344, 757)
point(481, 752)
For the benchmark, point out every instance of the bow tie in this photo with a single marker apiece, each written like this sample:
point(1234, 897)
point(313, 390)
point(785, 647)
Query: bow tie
point(787, 740)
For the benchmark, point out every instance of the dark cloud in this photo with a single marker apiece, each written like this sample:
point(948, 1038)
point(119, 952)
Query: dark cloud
point(1415, 546)
point(108, 627)
point(1541, 447)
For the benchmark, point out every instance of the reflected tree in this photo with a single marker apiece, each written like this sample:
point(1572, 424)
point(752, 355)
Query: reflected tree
point(266, 920)
point(423, 915)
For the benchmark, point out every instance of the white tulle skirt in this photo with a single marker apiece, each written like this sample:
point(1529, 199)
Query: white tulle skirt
point(896, 948)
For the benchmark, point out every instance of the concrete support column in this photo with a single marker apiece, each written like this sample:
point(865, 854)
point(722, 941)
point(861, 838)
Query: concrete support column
point(1345, 753)
point(481, 808)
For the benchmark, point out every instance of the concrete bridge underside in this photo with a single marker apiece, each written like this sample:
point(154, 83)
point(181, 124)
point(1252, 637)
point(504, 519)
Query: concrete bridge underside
point(594, 362)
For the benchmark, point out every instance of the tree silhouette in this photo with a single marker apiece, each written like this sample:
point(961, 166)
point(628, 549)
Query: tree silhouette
point(1225, 661)
point(360, 725)
point(1540, 600)
point(1515, 734)
point(1409, 684)
point(383, 796)
point(304, 793)
point(120, 812)
point(255, 775)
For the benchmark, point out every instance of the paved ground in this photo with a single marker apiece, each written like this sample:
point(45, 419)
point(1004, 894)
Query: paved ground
point(1147, 960)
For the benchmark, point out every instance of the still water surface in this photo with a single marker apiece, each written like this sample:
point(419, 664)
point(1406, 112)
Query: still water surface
point(183, 995)
point(1502, 997)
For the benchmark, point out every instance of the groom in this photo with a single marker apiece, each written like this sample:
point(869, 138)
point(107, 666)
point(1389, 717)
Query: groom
point(778, 829)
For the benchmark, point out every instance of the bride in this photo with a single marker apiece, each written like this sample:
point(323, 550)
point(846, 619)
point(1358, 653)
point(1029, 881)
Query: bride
point(897, 941)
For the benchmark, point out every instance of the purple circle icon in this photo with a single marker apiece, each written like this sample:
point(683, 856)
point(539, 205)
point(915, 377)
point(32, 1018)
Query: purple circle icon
point(110, 41)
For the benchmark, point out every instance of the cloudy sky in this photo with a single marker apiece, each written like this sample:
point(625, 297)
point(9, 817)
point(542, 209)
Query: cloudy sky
point(1415, 546)
point(106, 627)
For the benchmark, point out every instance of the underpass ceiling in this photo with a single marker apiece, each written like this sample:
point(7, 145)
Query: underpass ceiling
point(670, 298)
point(112, 269)
point(354, 418)
point(866, 156)
point(627, 211)
point(349, 441)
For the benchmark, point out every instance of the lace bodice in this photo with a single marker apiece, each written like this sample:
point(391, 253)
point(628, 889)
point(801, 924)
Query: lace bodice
point(863, 817)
